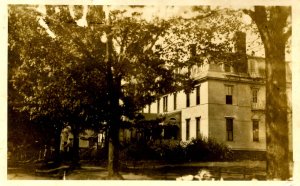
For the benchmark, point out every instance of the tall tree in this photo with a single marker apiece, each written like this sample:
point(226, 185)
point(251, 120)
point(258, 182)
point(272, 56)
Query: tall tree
point(274, 26)
point(145, 56)
point(76, 65)
point(62, 70)
point(46, 81)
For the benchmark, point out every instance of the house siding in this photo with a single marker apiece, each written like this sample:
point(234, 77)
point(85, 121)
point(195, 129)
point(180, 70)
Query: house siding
point(213, 109)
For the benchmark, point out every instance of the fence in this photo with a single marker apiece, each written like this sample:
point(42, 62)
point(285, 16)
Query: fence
point(28, 154)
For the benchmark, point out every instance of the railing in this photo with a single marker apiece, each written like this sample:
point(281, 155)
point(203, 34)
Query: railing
point(258, 106)
point(256, 75)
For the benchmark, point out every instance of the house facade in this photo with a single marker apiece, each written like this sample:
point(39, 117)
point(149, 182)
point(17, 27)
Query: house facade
point(227, 104)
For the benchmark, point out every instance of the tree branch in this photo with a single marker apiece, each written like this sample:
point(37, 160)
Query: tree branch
point(152, 42)
point(259, 16)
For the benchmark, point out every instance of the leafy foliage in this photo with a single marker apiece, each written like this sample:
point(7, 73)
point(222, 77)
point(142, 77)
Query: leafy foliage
point(208, 149)
point(50, 78)
point(63, 74)
point(174, 151)
point(62, 69)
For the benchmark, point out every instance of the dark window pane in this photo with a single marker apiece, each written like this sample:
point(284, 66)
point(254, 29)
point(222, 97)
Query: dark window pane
point(165, 103)
point(198, 134)
point(229, 99)
point(187, 129)
point(175, 101)
point(255, 131)
point(229, 128)
point(197, 95)
point(187, 100)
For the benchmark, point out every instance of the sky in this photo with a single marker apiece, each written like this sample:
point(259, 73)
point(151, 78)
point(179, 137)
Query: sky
point(163, 12)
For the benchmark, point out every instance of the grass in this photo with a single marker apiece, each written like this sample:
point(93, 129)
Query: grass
point(246, 170)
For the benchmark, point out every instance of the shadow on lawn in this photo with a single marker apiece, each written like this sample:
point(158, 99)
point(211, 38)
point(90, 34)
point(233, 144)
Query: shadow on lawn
point(217, 173)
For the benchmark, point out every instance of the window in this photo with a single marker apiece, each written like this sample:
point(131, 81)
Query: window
point(197, 95)
point(158, 107)
point(254, 95)
point(187, 99)
point(198, 134)
point(253, 68)
point(188, 129)
point(175, 101)
point(229, 129)
point(149, 108)
point(255, 124)
point(165, 103)
point(227, 67)
point(228, 91)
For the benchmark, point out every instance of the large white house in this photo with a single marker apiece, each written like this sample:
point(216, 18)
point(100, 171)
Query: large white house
point(227, 104)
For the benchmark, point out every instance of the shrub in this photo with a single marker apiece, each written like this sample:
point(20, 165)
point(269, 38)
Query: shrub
point(207, 149)
point(171, 151)
point(138, 151)
point(164, 150)
point(175, 151)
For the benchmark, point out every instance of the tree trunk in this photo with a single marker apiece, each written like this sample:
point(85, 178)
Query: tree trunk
point(113, 150)
point(113, 135)
point(113, 131)
point(114, 114)
point(274, 31)
point(277, 139)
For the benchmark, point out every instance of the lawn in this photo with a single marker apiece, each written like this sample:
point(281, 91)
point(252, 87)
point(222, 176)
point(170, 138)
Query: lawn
point(242, 170)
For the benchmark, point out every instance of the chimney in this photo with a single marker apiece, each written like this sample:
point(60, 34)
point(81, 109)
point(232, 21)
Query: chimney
point(240, 42)
point(192, 50)
point(241, 64)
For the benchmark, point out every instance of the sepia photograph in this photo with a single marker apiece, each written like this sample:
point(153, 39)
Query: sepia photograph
point(149, 92)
